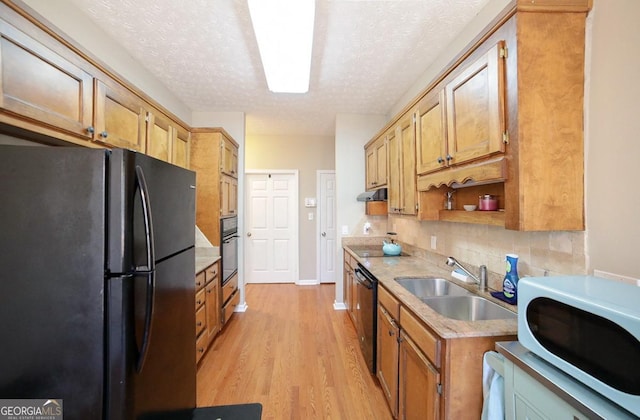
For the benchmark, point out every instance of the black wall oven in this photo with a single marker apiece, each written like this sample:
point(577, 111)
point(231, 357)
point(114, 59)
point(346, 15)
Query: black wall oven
point(229, 247)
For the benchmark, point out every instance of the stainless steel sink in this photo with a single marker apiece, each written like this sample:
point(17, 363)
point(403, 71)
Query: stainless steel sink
point(468, 308)
point(424, 287)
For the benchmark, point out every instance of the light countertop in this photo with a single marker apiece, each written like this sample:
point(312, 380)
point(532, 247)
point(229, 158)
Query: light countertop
point(423, 264)
point(205, 256)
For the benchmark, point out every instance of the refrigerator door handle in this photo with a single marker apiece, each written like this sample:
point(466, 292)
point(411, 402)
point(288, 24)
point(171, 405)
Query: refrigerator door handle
point(146, 335)
point(149, 270)
point(148, 222)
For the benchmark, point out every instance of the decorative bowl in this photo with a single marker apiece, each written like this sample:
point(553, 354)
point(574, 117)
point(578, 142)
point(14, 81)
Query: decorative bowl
point(470, 207)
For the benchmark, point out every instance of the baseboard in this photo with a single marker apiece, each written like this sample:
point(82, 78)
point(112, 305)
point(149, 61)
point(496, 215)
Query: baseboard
point(312, 282)
point(241, 307)
point(339, 306)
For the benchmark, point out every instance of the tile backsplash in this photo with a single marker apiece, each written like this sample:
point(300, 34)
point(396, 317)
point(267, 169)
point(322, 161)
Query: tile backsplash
point(540, 253)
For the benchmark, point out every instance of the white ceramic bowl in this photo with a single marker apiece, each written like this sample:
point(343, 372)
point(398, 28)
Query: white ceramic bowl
point(469, 207)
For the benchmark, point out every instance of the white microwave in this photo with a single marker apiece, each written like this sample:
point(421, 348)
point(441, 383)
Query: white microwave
point(588, 327)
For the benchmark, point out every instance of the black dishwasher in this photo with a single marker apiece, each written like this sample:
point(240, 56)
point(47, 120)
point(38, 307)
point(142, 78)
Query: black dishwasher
point(366, 319)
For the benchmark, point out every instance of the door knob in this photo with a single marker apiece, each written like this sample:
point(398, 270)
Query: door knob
point(248, 233)
point(324, 234)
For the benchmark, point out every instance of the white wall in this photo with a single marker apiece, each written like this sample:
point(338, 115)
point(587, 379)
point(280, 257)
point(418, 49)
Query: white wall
point(66, 17)
point(353, 131)
point(613, 139)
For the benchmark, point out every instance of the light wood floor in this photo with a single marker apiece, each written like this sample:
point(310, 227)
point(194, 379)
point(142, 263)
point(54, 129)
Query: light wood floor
point(292, 352)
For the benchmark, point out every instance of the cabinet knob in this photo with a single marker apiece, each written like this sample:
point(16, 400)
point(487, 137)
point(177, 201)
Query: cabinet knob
point(104, 134)
point(249, 234)
point(90, 129)
point(199, 302)
point(440, 160)
point(199, 324)
point(449, 158)
point(324, 234)
point(391, 333)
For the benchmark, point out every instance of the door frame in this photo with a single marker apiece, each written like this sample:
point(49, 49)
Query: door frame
point(319, 228)
point(295, 216)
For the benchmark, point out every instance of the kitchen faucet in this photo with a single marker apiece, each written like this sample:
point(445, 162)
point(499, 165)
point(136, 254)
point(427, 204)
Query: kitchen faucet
point(481, 282)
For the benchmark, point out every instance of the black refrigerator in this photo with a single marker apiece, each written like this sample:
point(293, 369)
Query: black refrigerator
point(97, 267)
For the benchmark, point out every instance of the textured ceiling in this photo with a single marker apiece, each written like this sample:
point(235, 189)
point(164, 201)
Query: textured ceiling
point(366, 55)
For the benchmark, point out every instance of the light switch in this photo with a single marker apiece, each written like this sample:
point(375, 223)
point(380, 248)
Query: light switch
point(310, 216)
point(345, 230)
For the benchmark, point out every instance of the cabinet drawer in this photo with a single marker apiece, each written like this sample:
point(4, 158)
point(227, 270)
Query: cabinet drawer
point(211, 272)
point(200, 280)
point(200, 298)
point(201, 346)
point(201, 320)
point(389, 302)
point(230, 306)
point(229, 288)
point(428, 343)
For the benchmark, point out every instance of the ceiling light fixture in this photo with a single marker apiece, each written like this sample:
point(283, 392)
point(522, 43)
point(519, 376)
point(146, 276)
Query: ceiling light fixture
point(284, 31)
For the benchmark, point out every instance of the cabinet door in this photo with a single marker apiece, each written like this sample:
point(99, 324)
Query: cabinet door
point(119, 117)
point(395, 181)
point(431, 133)
point(160, 134)
point(475, 108)
point(228, 195)
point(229, 158)
point(408, 190)
point(42, 86)
point(419, 382)
point(387, 358)
point(370, 161)
point(181, 147)
point(381, 162)
point(212, 308)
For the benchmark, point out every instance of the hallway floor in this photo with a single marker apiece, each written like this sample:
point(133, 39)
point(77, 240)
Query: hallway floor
point(294, 354)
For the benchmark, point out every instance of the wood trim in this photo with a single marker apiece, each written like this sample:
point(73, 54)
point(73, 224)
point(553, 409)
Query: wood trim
point(494, 170)
point(561, 6)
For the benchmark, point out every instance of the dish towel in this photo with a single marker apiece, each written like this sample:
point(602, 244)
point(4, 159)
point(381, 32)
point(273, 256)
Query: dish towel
point(492, 390)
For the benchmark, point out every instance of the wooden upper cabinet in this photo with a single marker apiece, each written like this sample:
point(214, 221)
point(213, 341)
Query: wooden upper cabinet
point(119, 117)
point(181, 147)
point(431, 133)
point(408, 164)
point(402, 167)
point(394, 184)
point(229, 157)
point(228, 196)
point(475, 108)
point(376, 163)
point(160, 137)
point(39, 85)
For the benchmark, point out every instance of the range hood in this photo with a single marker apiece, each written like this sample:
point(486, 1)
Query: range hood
point(375, 195)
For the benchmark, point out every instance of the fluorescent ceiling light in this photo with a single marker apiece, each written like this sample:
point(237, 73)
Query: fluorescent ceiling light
point(284, 30)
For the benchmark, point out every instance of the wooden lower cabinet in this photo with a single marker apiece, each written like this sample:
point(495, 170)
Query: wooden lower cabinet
point(423, 375)
point(207, 308)
point(350, 286)
point(419, 383)
point(230, 299)
point(387, 358)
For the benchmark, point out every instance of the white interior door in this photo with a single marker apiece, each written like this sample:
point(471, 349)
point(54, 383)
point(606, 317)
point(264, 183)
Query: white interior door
point(327, 226)
point(271, 243)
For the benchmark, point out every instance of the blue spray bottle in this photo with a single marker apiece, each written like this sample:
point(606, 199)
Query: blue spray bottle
point(510, 282)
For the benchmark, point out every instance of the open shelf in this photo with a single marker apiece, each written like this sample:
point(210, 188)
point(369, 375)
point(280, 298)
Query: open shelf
point(494, 218)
